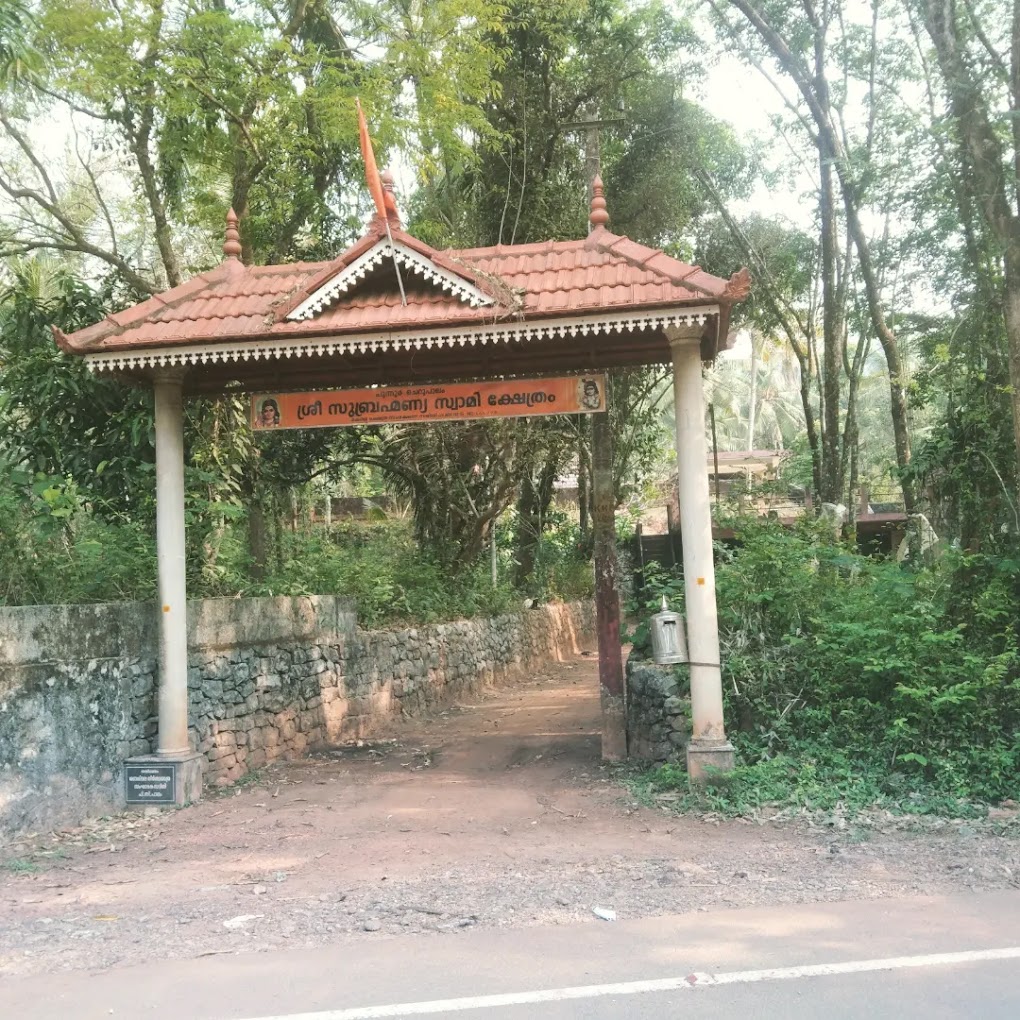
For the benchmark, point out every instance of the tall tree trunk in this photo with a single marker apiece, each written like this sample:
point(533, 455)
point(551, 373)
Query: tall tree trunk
point(852, 440)
point(1012, 314)
point(891, 349)
point(832, 358)
point(532, 509)
point(141, 138)
point(277, 521)
point(583, 485)
point(258, 544)
point(813, 88)
point(995, 194)
point(753, 399)
point(254, 498)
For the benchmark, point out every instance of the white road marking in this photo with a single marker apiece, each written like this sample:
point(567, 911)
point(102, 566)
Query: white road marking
point(691, 981)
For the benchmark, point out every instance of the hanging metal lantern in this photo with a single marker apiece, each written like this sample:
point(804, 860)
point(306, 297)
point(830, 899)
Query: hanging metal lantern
point(669, 640)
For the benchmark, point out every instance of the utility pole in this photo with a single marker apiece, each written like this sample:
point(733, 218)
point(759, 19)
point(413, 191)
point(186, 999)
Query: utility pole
point(592, 128)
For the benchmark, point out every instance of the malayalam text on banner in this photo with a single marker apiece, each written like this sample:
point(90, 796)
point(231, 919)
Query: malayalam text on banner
point(513, 398)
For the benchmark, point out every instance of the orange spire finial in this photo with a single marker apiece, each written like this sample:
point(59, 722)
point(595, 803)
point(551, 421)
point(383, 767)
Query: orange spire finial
point(375, 187)
point(232, 239)
point(597, 217)
point(390, 199)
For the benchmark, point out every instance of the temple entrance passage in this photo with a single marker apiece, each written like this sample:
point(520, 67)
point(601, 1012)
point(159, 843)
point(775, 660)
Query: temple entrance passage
point(394, 330)
point(550, 714)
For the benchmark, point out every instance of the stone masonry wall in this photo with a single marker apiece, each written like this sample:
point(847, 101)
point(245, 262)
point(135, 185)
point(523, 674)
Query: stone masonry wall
point(658, 710)
point(268, 679)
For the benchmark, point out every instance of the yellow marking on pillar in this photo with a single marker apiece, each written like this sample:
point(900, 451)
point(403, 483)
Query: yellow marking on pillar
point(701, 580)
point(166, 609)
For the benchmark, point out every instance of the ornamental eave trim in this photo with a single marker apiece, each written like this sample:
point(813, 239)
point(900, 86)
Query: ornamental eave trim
point(284, 347)
point(350, 276)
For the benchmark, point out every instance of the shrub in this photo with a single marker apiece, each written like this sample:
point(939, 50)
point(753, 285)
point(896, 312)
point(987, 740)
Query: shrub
point(863, 678)
point(379, 565)
point(54, 550)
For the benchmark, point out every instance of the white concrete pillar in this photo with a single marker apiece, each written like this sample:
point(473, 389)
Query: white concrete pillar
point(709, 748)
point(173, 605)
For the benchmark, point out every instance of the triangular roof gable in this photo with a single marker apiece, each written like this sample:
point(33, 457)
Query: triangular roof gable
point(345, 274)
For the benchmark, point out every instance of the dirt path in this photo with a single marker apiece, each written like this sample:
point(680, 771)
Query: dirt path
point(497, 813)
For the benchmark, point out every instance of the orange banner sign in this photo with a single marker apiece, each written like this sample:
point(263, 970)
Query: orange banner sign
point(516, 398)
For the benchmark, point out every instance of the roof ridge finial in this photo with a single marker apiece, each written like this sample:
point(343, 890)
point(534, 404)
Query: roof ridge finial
point(390, 198)
point(232, 237)
point(598, 216)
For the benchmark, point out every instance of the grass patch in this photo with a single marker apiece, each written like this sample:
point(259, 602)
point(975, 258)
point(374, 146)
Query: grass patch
point(20, 866)
point(782, 786)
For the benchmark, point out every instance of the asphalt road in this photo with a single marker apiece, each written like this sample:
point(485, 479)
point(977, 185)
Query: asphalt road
point(883, 958)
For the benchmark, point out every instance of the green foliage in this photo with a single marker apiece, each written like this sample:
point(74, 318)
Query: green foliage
point(250, 104)
point(459, 477)
point(967, 463)
point(381, 567)
point(645, 602)
point(562, 567)
point(853, 680)
point(95, 436)
point(53, 549)
point(639, 403)
point(18, 58)
point(789, 254)
point(57, 418)
point(560, 64)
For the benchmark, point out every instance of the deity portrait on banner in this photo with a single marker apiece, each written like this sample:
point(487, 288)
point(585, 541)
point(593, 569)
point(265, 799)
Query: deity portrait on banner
point(589, 394)
point(269, 413)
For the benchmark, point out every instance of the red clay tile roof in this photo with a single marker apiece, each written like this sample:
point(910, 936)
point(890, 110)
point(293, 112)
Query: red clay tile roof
point(602, 273)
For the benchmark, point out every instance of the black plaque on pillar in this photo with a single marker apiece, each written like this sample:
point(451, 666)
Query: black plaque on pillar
point(151, 784)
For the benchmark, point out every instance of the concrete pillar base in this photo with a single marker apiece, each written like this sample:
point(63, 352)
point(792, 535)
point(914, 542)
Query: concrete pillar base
point(160, 780)
point(709, 760)
point(614, 728)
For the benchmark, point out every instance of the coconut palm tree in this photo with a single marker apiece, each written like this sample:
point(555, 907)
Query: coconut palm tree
point(756, 399)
